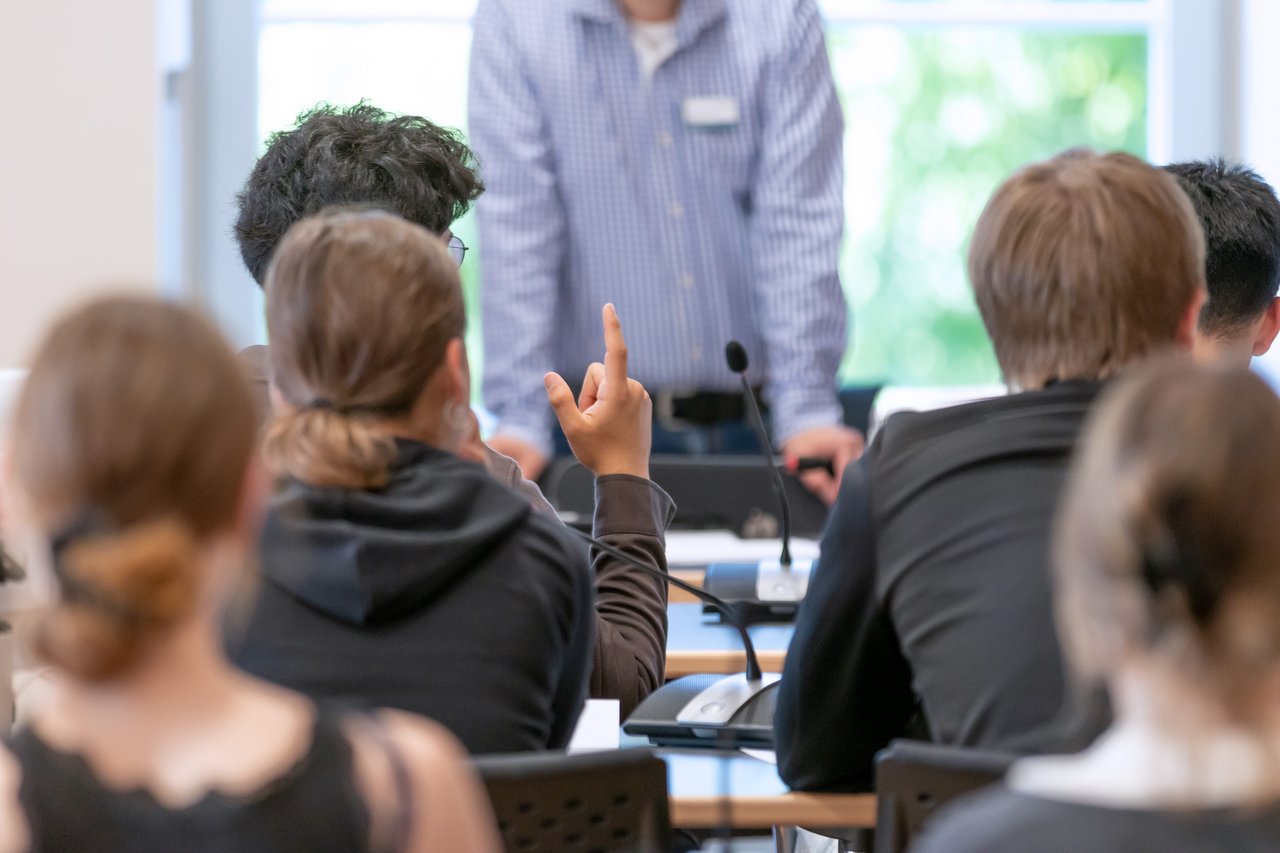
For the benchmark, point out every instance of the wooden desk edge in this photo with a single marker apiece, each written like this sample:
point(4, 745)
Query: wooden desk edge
point(792, 809)
point(721, 662)
point(675, 595)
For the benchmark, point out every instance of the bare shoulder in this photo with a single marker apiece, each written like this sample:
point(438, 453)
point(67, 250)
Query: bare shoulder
point(447, 807)
point(14, 834)
point(424, 743)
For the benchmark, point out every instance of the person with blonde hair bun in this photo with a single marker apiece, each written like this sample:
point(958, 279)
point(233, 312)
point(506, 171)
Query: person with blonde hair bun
point(396, 570)
point(1167, 591)
point(133, 468)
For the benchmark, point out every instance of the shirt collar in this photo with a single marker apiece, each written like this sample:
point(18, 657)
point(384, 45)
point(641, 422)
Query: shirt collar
point(694, 17)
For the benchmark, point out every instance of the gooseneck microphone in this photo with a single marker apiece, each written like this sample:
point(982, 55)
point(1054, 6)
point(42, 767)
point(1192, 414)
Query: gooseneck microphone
point(770, 589)
point(727, 610)
point(735, 354)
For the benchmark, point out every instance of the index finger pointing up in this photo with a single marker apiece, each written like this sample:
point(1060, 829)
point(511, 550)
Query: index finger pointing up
point(615, 348)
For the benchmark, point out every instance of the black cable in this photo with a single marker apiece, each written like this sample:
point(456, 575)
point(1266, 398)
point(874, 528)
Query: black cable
point(730, 613)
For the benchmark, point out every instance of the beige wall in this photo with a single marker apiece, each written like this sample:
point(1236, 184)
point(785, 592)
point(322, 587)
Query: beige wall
point(79, 97)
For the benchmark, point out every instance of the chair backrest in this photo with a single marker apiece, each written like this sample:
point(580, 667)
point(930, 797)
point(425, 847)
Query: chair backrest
point(597, 802)
point(914, 778)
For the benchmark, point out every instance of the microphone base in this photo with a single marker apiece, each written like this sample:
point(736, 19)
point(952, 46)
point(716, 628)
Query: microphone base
point(684, 713)
point(761, 592)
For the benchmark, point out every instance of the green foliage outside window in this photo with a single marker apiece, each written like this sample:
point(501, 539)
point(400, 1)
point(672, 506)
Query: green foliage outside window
point(935, 119)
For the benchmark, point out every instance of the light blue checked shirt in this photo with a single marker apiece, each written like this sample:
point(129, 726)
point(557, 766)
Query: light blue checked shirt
point(703, 220)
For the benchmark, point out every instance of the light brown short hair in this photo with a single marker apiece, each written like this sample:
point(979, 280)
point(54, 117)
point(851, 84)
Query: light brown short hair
point(1083, 262)
point(361, 306)
point(131, 440)
point(1167, 541)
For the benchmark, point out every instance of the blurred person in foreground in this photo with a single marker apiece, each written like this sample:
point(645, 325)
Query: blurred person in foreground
point(133, 468)
point(930, 612)
point(410, 166)
point(1240, 216)
point(396, 572)
point(1168, 591)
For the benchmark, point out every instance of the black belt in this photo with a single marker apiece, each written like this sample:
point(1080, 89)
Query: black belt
point(700, 408)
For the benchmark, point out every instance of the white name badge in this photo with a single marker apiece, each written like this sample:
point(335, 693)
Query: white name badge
point(710, 111)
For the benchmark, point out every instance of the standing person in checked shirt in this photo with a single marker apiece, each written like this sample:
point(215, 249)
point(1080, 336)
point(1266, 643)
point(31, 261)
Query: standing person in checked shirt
point(683, 160)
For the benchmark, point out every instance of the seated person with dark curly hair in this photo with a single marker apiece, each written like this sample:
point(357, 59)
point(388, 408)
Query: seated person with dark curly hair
point(425, 173)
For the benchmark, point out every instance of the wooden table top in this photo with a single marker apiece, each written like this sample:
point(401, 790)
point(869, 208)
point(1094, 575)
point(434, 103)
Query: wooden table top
point(757, 798)
point(698, 643)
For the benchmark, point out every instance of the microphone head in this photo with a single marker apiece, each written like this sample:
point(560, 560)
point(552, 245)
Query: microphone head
point(736, 355)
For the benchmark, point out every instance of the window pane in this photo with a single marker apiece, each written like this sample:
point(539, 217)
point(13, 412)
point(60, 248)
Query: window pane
point(935, 120)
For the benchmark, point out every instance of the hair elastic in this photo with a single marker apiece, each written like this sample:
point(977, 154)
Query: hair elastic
point(85, 524)
point(1169, 565)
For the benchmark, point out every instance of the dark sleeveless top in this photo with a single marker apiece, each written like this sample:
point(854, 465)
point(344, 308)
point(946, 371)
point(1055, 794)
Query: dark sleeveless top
point(314, 807)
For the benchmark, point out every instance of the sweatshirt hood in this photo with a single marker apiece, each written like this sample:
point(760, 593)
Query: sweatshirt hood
point(371, 556)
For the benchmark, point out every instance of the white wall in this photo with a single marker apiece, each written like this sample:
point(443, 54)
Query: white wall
point(1259, 119)
point(1259, 84)
point(78, 154)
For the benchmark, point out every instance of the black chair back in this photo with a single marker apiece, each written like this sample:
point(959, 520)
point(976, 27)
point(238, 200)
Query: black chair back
point(914, 778)
point(597, 802)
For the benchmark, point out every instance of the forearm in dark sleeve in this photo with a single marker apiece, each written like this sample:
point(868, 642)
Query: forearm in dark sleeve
point(846, 689)
point(632, 515)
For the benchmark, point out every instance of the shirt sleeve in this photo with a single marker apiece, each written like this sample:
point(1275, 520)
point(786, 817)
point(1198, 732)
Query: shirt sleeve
point(796, 228)
point(521, 229)
point(506, 470)
point(846, 688)
point(632, 514)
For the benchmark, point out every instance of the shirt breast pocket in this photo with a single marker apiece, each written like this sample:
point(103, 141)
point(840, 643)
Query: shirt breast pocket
point(725, 152)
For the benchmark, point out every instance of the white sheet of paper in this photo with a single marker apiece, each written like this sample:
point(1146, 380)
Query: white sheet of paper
point(768, 756)
point(597, 727)
point(698, 548)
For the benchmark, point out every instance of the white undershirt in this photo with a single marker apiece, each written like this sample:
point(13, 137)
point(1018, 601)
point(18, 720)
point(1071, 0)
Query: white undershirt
point(1133, 766)
point(654, 42)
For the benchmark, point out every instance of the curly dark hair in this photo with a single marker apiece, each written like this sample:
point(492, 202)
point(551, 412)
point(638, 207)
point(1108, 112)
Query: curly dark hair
point(358, 155)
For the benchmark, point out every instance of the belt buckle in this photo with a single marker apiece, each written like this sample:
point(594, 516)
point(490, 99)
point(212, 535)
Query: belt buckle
point(664, 403)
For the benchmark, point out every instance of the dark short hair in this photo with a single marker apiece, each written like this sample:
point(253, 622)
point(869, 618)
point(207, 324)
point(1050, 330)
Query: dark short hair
point(1240, 216)
point(359, 155)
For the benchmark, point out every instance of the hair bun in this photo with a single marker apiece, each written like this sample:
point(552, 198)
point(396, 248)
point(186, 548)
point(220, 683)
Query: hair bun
point(116, 589)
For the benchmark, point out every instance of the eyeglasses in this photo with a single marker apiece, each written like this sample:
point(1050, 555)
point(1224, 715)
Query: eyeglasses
point(457, 249)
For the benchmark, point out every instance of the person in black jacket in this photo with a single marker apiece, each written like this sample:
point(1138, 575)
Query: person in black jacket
point(410, 166)
point(396, 572)
point(1169, 593)
point(929, 612)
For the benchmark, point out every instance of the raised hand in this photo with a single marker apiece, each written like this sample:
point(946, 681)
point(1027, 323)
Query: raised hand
point(610, 426)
